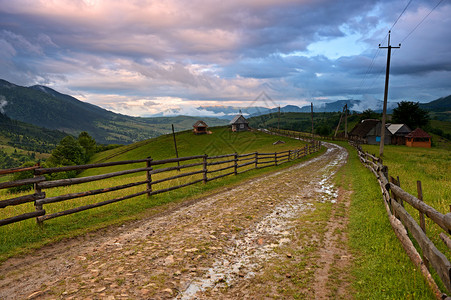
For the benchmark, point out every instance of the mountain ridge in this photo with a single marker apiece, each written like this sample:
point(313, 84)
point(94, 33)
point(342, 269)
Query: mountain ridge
point(45, 107)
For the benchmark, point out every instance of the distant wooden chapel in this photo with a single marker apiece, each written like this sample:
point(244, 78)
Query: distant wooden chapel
point(239, 123)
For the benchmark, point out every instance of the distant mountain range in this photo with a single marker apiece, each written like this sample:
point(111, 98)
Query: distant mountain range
point(228, 112)
point(440, 105)
point(45, 107)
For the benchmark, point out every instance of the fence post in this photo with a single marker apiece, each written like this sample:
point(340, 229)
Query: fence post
point(149, 175)
point(256, 160)
point(289, 155)
point(235, 167)
point(205, 168)
point(37, 190)
point(422, 220)
point(275, 158)
point(393, 196)
point(399, 184)
point(384, 171)
point(420, 197)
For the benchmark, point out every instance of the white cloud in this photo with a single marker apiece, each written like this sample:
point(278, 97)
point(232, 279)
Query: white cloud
point(3, 103)
point(115, 53)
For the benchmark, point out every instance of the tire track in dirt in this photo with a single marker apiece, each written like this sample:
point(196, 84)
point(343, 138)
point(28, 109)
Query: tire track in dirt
point(213, 247)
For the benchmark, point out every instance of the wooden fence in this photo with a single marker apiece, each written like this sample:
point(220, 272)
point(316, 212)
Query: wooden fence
point(400, 220)
point(208, 168)
point(302, 135)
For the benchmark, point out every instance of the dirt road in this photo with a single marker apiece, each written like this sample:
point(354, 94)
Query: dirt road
point(276, 236)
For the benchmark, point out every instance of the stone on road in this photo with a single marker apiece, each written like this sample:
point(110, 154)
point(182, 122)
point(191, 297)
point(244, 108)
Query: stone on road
point(271, 236)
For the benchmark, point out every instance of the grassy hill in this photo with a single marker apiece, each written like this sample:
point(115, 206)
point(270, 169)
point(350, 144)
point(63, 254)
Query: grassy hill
point(325, 123)
point(21, 142)
point(221, 141)
point(19, 237)
point(48, 108)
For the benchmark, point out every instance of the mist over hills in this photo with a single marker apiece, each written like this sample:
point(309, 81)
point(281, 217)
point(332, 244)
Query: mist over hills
point(45, 107)
point(228, 112)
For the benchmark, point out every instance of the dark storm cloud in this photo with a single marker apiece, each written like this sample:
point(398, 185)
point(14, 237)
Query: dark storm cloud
point(223, 50)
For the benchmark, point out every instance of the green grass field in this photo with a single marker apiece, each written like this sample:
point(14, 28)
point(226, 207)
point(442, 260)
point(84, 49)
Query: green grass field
point(21, 236)
point(381, 269)
point(430, 166)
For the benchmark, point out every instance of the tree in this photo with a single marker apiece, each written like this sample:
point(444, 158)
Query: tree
point(22, 175)
point(88, 144)
point(323, 130)
point(411, 114)
point(369, 114)
point(68, 152)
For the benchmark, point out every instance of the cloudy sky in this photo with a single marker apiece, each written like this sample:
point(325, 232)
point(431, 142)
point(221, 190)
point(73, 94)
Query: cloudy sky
point(141, 57)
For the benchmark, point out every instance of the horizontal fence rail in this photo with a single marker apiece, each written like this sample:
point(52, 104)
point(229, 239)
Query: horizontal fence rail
point(402, 222)
point(302, 135)
point(201, 168)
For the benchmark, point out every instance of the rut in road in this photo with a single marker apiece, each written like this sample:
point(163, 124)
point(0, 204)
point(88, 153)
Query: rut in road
point(273, 236)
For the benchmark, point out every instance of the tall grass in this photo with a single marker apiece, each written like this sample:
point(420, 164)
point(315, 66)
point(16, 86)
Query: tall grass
point(381, 269)
point(21, 236)
point(430, 166)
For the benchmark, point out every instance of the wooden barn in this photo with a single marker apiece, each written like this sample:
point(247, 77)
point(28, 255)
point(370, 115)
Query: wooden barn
point(369, 131)
point(239, 123)
point(418, 138)
point(200, 127)
point(398, 132)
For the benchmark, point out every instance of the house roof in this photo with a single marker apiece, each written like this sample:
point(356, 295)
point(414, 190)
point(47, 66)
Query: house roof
point(418, 133)
point(200, 124)
point(398, 129)
point(362, 128)
point(239, 119)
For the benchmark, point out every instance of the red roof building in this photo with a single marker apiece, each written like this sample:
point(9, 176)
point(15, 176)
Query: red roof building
point(418, 138)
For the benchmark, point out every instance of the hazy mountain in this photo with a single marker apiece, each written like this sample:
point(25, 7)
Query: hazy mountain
point(228, 112)
point(45, 107)
point(27, 136)
point(439, 105)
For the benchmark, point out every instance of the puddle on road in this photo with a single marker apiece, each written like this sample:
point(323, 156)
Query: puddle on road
point(244, 258)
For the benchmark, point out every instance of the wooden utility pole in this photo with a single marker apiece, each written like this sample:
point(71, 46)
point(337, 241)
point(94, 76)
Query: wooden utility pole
point(384, 110)
point(346, 121)
point(345, 109)
point(175, 145)
point(311, 109)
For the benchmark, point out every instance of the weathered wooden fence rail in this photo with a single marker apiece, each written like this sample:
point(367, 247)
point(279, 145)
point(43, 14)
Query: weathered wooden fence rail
point(209, 167)
point(302, 135)
point(401, 221)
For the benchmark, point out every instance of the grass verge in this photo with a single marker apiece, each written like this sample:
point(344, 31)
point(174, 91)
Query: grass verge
point(381, 269)
point(21, 237)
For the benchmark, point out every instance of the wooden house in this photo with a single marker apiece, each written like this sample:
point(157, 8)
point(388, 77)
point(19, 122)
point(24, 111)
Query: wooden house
point(419, 138)
point(239, 123)
point(398, 133)
point(200, 127)
point(369, 131)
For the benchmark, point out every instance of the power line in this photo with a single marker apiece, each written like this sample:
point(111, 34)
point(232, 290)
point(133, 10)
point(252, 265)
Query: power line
point(370, 68)
point(403, 11)
point(418, 25)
